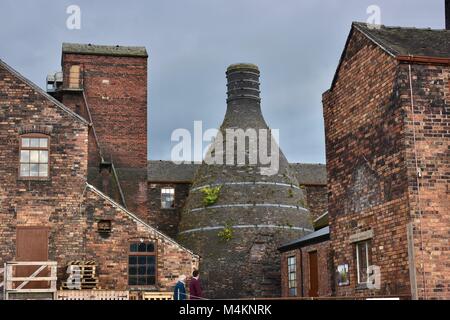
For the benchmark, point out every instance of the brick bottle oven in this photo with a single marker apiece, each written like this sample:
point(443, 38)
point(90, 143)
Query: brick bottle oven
point(238, 235)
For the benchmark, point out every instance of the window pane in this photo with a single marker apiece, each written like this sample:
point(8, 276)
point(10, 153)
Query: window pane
point(34, 156)
point(43, 156)
point(150, 247)
point(141, 270)
point(25, 142)
point(142, 281)
point(34, 142)
point(142, 247)
point(151, 270)
point(150, 280)
point(132, 270)
point(43, 142)
point(134, 247)
point(151, 260)
point(43, 168)
point(24, 156)
point(132, 260)
point(141, 260)
point(34, 170)
point(24, 170)
point(132, 280)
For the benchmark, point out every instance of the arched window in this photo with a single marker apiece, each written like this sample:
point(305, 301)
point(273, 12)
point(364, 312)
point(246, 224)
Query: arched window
point(34, 156)
point(74, 77)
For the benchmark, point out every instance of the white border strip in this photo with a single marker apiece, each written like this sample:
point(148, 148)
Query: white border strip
point(245, 183)
point(247, 226)
point(249, 205)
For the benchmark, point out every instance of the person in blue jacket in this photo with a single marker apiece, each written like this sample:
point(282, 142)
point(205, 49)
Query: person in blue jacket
point(180, 289)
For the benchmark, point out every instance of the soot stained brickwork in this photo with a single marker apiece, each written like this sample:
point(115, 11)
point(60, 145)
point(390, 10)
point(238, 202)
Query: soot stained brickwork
point(373, 140)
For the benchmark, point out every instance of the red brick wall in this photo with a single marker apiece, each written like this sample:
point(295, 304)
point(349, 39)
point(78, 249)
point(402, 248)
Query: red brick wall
point(430, 206)
point(37, 203)
point(111, 253)
point(65, 203)
point(367, 178)
point(116, 91)
point(166, 220)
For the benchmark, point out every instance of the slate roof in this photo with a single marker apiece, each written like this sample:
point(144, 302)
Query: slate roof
point(310, 173)
point(315, 237)
point(167, 171)
point(409, 41)
point(104, 50)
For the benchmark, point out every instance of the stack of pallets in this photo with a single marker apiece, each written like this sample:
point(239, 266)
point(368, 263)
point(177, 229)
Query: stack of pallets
point(88, 276)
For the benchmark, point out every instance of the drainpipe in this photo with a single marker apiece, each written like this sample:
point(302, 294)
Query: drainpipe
point(418, 176)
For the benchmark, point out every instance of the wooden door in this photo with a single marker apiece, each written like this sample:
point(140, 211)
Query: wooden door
point(313, 275)
point(32, 245)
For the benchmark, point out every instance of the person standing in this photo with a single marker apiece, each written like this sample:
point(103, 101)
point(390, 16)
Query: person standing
point(195, 290)
point(179, 292)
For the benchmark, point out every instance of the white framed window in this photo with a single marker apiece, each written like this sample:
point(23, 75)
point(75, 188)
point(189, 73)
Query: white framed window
point(34, 156)
point(362, 261)
point(167, 198)
point(292, 276)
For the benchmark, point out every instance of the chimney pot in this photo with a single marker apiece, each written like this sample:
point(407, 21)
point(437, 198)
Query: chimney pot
point(243, 82)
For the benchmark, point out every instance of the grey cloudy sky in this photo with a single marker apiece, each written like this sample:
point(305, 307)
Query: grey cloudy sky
point(296, 43)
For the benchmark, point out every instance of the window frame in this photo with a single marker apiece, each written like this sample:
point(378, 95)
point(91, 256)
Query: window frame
point(155, 254)
point(34, 136)
point(366, 243)
point(173, 201)
point(289, 272)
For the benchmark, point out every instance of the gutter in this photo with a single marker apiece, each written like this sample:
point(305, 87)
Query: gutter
point(423, 59)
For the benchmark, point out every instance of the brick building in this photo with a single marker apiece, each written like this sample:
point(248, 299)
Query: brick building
point(388, 149)
point(76, 182)
point(49, 210)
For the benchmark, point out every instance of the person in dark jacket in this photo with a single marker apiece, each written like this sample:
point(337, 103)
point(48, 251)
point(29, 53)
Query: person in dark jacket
point(195, 290)
point(179, 292)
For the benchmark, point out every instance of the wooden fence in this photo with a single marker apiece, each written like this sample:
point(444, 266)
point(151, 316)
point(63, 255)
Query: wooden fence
point(16, 285)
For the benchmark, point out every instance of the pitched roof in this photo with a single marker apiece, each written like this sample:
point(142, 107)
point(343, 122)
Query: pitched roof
point(93, 49)
point(408, 41)
point(399, 41)
point(315, 237)
point(310, 173)
point(42, 92)
point(167, 171)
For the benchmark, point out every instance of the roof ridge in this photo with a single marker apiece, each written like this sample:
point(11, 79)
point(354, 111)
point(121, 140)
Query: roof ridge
point(38, 89)
point(365, 24)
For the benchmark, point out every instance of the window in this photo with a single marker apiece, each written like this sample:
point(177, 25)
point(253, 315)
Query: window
point(362, 261)
point(34, 151)
point(142, 264)
point(292, 276)
point(167, 198)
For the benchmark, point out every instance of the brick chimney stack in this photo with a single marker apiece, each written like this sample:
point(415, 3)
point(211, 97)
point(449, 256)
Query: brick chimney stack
point(447, 14)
